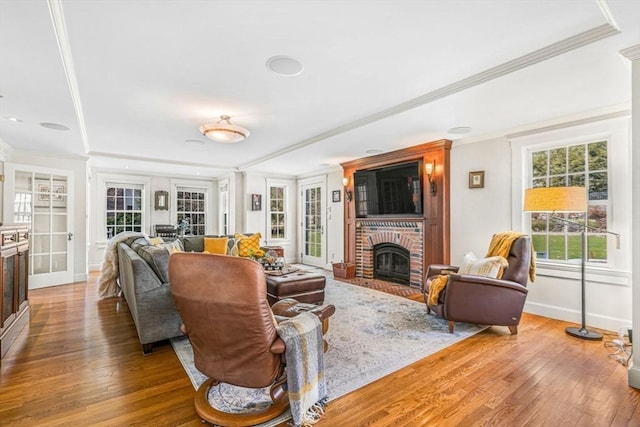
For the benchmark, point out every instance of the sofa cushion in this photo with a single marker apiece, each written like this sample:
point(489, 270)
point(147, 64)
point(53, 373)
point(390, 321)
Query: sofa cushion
point(489, 267)
point(216, 245)
point(140, 242)
point(158, 259)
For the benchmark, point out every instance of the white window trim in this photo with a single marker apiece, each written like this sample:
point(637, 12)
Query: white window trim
point(101, 202)
point(210, 213)
point(617, 133)
point(287, 211)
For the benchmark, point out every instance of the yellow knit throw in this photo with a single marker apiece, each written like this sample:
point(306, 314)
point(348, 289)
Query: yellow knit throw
point(501, 245)
point(437, 285)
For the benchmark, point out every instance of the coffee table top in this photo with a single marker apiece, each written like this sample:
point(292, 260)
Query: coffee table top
point(292, 276)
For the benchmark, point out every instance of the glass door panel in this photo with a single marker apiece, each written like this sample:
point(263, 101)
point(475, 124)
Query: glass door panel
point(41, 197)
point(313, 238)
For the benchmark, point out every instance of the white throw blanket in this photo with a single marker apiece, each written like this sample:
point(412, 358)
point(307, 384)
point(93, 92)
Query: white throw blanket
point(107, 284)
point(305, 367)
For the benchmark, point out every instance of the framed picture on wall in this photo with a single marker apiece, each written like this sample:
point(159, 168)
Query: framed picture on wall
point(53, 192)
point(476, 179)
point(162, 200)
point(335, 195)
point(256, 202)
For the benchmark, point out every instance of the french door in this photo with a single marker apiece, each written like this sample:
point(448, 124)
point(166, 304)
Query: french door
point(43, 198)
point(314, 250)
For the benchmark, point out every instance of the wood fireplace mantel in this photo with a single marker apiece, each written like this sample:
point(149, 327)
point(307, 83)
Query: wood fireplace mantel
point(435, 218)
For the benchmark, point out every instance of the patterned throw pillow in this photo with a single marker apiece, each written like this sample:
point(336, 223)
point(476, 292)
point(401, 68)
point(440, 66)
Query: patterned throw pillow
point(488, 267)
point(248, 245)
point(216, 245)
point(155, 241)
point(172, 247)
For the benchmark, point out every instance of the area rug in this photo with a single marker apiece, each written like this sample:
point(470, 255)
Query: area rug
point(372, 334)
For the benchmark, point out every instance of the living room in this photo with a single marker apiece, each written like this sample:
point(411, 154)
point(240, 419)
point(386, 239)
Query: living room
point(514, 92)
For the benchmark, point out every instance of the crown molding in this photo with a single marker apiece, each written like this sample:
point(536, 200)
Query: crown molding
point(631, 53)
point(60, 32)
point(161, 161)
point(563, 46)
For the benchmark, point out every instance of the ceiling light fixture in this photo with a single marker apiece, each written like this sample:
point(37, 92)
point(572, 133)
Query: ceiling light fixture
point(224, 131)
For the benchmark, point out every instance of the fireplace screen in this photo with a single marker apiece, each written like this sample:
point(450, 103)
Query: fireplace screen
point(391, 263)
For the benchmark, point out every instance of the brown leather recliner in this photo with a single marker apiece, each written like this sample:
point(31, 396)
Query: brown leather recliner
point(223, 303)
point(484, 300)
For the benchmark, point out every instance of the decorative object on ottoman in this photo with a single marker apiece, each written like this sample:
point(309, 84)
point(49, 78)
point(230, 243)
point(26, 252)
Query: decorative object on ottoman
point(301, 286)
point(344, 270)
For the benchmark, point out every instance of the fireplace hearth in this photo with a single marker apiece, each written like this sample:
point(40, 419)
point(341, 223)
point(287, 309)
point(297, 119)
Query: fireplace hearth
point(391, 262)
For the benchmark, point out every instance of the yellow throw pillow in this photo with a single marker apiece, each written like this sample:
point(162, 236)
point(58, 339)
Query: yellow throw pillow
point(249, 245)
point(216, 245)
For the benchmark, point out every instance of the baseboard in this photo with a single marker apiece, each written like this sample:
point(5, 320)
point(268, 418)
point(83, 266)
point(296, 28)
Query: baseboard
point(607, 323)
point(634, 377)
point(80, 277)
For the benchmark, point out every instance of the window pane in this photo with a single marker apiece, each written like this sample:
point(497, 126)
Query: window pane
point(576, 158)
point(558, 161)
point(598, 156)
point(539, 163)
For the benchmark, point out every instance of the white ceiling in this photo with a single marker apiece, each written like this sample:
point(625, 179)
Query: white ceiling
point(133, 80)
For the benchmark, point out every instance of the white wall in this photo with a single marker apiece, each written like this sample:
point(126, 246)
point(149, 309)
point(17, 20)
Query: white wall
point(478, 213)
point(97, 240)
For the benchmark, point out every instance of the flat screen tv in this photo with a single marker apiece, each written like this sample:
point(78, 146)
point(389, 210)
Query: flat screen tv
point(393, 190)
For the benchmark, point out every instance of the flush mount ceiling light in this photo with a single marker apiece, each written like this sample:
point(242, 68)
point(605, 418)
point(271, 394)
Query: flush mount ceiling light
point(224, 131)
point(284, 65)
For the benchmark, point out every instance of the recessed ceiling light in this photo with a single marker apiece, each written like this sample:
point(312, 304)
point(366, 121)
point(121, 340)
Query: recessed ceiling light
point(460, 130)
point(54, 126)
point(284, 65)
point(374, 151)
point(14, 119)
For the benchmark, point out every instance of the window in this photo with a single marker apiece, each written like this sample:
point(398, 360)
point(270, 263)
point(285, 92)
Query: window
point(124, 208)
point(277, 211)
point(578, 165)
point(191, 208)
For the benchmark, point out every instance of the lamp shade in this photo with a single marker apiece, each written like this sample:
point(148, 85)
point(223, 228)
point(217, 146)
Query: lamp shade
point(224, 131)
point(555, 199)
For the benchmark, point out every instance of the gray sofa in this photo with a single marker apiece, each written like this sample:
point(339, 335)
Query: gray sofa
point(143, 277)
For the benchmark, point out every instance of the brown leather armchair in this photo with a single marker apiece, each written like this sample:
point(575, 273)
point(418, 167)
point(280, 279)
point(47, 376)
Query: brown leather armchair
point(223, 303)
point(484, 300)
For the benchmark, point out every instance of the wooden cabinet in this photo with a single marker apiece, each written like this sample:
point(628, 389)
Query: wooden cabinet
point(14, 301)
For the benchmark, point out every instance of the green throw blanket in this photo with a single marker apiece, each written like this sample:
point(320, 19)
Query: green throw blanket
point(305, 367)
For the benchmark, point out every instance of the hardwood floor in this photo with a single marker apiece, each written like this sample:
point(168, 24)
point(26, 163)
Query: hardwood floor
point(80, 364)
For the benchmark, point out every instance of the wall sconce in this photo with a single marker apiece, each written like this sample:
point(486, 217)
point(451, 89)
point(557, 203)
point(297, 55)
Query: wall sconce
point(347, 193)
point(430, 168)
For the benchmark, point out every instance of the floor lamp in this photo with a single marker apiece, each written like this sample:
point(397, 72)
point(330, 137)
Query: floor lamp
point(567, 199)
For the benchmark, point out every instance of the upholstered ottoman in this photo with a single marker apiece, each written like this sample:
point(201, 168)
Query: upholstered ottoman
point(299, 285)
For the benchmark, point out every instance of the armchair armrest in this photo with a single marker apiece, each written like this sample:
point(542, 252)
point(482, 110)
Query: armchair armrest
point(483, 300)
point(436, 269)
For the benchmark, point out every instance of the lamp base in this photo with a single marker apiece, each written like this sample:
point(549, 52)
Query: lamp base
point(583, 333)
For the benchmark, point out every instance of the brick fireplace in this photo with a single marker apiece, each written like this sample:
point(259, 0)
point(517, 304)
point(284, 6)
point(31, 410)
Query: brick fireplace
point(406, 234)
point(425, 236)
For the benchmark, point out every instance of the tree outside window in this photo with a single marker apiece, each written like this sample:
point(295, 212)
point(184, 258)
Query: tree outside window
point(581, 165)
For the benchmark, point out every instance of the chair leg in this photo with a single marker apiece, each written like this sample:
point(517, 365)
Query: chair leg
point(513, 329)
point(451, 326)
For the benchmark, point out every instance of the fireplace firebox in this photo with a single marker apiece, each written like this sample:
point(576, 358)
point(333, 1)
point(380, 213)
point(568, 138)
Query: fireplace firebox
point(391, 262)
